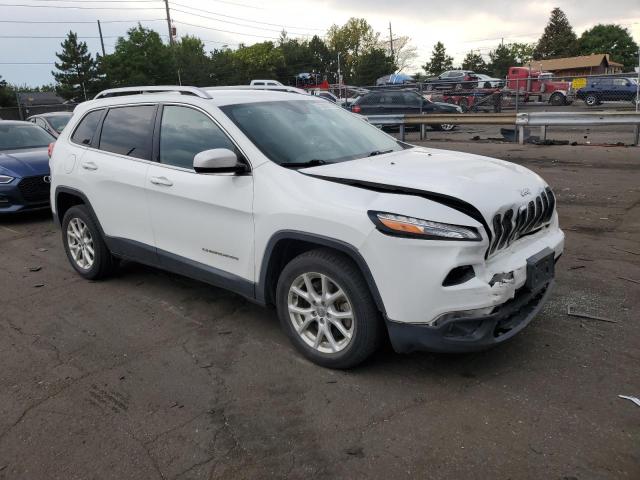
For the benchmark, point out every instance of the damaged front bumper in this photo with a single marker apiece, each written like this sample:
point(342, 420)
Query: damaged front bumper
point(474, 333)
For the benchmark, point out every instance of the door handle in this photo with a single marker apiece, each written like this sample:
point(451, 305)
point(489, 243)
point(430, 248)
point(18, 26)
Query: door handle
point(89, 166)
point(161, 181)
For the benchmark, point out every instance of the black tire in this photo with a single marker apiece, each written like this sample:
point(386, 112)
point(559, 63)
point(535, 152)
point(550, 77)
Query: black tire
point(367, 326)
point(104, 263)
point(591, 100)
point(557, 99)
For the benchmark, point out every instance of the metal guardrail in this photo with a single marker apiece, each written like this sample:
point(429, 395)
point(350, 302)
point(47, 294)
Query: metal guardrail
point(520, 120)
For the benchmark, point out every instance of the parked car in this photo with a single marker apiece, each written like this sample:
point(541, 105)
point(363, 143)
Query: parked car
point(609, 89)
point(485, 81)
point(267, 83)
point(326, 95)
point(52, 122)
point(292, 201)
point(24, 166)
point(388, 102)
point(453, 80)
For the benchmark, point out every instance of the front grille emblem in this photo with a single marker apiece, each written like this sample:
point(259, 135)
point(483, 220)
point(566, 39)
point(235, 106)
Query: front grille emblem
point(47, 179)
point(524, 192)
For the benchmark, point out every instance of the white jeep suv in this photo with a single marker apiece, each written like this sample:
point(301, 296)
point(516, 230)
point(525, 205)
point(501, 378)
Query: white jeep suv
point(292, 201)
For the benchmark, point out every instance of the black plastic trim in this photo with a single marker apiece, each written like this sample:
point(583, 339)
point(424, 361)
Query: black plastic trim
point(344, 247)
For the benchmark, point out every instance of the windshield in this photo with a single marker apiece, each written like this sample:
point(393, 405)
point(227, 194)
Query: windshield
point(59, 121)
point(16, 136)
point(296, 132)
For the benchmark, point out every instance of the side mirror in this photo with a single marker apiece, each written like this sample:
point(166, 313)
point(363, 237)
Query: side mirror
point(218, 160)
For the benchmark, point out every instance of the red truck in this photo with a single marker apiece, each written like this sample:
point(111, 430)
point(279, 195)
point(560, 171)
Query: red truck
point(536, 85)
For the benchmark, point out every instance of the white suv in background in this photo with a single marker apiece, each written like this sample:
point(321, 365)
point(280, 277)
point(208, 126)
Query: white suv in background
point(291, 201)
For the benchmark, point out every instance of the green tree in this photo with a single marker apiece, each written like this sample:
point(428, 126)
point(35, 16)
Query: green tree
point(439, 61)
point(7, 94)
point(371, 65)
point(76, 69)
point(354, 38)
point(140, 59)
point(474, 61)
point(192, 61)
point(500, 60)
point(612, 39)
point(522, 52)
point(558, 39)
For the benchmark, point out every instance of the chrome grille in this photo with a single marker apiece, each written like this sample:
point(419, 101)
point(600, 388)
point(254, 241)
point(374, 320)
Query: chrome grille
point(516, 223)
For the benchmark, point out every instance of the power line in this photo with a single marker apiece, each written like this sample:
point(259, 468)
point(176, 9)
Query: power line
point(244, 19)
point(57, 37)
point(83, 21)
point(224, 31)
point(237, 4)
point(78, 8)
point(234, 23)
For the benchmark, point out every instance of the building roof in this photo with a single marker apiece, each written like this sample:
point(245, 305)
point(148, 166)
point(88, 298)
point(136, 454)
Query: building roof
point(29, 99)
point(583, 61)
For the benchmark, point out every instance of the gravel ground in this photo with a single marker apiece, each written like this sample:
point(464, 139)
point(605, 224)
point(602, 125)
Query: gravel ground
point(150, 375)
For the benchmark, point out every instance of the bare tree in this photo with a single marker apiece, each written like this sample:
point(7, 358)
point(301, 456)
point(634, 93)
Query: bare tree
point(403, 52)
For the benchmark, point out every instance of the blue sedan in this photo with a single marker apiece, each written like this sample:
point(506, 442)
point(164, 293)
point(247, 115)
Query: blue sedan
point(24, 167)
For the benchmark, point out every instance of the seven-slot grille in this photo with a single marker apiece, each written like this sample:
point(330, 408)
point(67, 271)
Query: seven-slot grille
point(34, 189)
point(512, 225)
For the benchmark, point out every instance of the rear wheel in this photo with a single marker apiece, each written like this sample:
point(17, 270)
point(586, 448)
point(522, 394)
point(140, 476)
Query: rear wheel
point(445, 127)
point(326, 309)
point(591, 100)
point(85, 248)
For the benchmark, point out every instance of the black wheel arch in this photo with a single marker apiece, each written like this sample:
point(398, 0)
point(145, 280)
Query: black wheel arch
point(285, 245)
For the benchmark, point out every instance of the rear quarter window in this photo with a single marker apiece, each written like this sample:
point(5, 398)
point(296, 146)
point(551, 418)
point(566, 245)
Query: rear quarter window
point(86, 129)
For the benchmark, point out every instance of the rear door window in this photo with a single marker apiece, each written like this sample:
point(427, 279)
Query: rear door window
point(87, 128)
point(129, 131)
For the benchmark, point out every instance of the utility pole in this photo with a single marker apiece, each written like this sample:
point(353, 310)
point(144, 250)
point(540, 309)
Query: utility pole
point(391, 42)
point(101, 39)
point(166, 4)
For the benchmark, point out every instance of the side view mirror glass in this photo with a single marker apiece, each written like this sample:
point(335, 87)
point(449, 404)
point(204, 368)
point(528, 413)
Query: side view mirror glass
point(218, 160)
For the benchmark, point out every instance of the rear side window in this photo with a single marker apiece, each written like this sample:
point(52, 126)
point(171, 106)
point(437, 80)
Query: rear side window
point(185, 132)
point(87, 128)
point(129, 131)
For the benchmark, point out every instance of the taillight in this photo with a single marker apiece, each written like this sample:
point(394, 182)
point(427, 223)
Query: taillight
point(356, 108)
point(50, 149)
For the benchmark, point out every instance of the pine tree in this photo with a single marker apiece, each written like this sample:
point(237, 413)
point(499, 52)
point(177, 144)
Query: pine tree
point(558, 39)
point(501, 59)
point(474, 61)
point(76, 69)
point(440, 61)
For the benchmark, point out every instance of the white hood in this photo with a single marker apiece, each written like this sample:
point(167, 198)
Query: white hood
point(490, 185)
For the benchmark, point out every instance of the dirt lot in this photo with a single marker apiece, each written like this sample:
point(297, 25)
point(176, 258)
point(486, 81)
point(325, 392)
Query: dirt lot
point(150, 375)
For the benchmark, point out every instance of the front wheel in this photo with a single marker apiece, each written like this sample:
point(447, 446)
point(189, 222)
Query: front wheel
point(326, 309)
point(557, 100)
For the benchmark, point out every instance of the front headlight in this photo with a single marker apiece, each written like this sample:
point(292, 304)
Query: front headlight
point(6, 179)
point(402, 226)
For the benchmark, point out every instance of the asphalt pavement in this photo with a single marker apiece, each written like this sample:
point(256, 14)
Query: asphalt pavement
point(149, 375)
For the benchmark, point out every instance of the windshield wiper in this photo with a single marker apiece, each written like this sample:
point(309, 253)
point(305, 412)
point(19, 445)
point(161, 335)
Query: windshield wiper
point(311, 163)
point(379, 152)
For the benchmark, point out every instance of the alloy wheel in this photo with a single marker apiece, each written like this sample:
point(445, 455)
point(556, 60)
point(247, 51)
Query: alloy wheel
point(80, 243)
point(321, 312)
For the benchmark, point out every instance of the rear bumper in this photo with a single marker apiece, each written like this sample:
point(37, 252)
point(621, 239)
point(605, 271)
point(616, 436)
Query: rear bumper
point(471, 334)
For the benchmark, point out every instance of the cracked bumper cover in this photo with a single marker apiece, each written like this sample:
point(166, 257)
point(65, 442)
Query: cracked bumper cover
point(471, 334)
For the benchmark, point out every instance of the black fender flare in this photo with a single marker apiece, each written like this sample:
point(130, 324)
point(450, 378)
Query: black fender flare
point(320, 240)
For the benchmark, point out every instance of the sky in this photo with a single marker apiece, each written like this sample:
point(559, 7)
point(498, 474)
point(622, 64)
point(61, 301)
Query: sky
point(465, 25)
